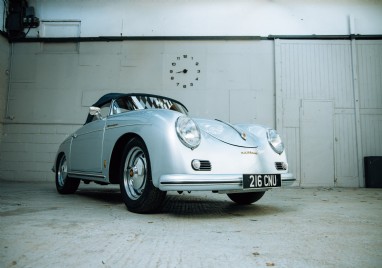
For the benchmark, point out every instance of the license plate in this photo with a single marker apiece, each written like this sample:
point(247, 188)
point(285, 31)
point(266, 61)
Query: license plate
point(251, 181)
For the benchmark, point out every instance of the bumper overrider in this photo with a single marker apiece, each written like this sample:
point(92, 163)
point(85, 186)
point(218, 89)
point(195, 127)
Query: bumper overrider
point(221, 183)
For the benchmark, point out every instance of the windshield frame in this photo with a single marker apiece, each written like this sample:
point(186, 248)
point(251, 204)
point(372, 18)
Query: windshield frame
point(113, 99)
point(134, 102)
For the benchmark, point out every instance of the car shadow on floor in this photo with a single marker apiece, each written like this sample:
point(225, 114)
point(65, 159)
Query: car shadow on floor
point(189, 205)
point(106, 194)
point(208, 206)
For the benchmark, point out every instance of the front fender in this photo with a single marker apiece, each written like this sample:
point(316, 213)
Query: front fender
point(64, 148)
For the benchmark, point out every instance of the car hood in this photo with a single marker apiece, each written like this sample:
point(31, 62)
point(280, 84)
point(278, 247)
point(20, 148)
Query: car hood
point(227, 133)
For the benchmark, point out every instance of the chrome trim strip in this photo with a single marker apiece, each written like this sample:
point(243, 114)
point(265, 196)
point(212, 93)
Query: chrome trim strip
point(193, 182)
point(212, 182)
point(241, 133)
point(86, 175)
point(287, 179)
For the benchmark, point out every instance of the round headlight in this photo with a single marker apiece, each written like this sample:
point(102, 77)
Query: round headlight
point(275, 141)
point(188, 132)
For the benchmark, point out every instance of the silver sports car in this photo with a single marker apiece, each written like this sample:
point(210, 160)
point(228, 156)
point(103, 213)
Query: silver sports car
point(149, 145)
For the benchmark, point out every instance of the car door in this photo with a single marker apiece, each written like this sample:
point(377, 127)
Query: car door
point(87, 143)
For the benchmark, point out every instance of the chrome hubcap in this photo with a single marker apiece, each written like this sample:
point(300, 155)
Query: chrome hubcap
point(135, 173)
point(62, 171)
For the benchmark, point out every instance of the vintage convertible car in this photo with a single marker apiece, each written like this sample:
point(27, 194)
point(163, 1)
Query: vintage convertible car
point(148, 145)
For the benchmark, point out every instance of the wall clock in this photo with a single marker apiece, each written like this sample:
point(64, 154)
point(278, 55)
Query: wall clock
point(184, 71)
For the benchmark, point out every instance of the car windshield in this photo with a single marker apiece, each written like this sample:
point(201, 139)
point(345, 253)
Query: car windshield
point(140, 102)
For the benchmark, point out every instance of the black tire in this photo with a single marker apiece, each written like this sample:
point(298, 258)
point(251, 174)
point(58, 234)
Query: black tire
point(64, 184)
point(246, 198)
point(137, 189)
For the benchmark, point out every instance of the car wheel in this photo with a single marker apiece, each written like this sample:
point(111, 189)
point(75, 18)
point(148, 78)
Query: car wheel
point(246, 198)
point(137, 189)
point(64, 184)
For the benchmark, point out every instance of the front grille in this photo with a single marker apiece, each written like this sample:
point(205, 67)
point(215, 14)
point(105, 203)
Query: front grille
point(205, 165)
point(281, 166)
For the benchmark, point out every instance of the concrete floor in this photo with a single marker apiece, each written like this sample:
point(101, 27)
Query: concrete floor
point(286, 228)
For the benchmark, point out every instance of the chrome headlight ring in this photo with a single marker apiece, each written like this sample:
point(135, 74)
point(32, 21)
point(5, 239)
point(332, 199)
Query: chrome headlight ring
point(275, 141)
point(188, 132)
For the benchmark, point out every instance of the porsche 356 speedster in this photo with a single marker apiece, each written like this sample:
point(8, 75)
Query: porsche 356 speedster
point(149, 145)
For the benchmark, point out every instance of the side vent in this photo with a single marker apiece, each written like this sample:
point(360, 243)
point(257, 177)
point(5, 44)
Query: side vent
point(201, 165)
point(205, 165)
point(281, 166)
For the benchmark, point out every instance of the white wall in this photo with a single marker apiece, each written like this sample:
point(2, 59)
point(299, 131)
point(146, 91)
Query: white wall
point(209, 17)
point(2, 19)
point(4, 70)
point(78, 74)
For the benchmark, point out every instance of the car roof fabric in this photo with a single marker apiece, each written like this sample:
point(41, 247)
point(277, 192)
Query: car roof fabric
point(111, 96)
point(106, 98)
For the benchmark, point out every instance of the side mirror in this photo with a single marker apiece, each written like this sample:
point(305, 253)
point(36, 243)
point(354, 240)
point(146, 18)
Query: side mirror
point(95, 111)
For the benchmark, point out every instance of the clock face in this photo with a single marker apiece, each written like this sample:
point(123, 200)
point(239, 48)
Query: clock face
point(184, 71)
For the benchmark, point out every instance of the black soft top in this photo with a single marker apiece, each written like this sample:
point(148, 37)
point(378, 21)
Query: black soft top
point(113, 96)
point(106, 98)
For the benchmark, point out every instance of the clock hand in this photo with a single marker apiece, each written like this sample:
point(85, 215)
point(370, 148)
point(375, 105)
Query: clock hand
point(183, 71)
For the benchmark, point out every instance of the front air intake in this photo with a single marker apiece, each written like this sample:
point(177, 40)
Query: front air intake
point(281, 166)
point(201, 165)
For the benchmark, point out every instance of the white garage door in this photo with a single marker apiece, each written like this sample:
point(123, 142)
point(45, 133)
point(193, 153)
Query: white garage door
point(317, 161)
point(314, 96)
point(348, 74)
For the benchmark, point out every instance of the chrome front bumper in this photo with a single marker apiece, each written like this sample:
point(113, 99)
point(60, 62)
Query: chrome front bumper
point(188, 182)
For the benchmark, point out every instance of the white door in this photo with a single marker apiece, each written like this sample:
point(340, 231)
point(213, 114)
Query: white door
point(86, 150)
point(317, 149)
